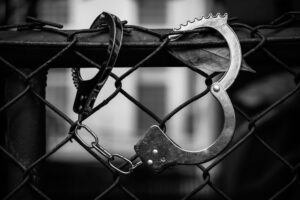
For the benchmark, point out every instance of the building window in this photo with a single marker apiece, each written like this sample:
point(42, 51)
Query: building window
point(152, 12)
point(154, 98)
point(54, 10)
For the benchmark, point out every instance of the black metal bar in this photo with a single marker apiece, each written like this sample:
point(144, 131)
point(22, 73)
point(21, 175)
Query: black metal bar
point(25, 131)
point(20, 47)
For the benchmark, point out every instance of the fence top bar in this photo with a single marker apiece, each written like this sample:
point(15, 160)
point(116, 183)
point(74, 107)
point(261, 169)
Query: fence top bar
point(33, 47)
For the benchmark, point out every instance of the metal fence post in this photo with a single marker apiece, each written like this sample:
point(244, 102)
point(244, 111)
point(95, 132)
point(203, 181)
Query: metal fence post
point(25, 129)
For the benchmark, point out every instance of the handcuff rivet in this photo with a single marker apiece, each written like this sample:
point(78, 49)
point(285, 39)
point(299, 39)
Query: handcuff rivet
point(216, 88)
point(150, 162)
point(155, 151)
point(80, 107)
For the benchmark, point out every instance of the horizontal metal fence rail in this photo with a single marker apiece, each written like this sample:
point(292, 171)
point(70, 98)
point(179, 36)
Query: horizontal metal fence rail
point(27, 54)
point(138, 43)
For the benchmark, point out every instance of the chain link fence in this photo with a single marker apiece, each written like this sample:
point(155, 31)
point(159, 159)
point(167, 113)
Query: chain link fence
point(23, 105)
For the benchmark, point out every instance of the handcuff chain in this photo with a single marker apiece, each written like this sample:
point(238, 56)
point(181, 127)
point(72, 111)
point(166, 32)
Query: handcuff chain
point(100, 149)
point(131, 165)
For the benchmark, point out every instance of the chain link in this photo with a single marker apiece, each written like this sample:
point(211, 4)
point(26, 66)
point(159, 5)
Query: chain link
point(100, 149)
point(128, 162)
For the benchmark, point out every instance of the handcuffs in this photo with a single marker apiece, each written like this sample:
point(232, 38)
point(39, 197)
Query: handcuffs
point(88, 90)
point(156, 149)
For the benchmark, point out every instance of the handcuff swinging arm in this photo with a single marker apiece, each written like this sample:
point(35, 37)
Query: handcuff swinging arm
point(87, 90)
point(156, 149)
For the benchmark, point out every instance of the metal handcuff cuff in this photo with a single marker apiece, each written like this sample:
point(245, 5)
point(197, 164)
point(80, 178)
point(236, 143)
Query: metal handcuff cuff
point(156, 149)
point(88, 90)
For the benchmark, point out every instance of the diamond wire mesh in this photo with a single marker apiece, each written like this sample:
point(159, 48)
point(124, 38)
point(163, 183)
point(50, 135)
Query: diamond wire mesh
point(254, 122)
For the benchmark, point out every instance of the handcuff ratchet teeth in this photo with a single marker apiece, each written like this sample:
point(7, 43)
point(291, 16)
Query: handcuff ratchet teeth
point(156, 149)
point(87, 90)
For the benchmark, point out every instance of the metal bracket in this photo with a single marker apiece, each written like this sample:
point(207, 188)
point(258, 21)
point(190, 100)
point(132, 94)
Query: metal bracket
point(156, 149)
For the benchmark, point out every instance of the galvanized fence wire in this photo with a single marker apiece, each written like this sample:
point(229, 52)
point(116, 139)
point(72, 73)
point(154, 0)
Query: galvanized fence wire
point(252, 121)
